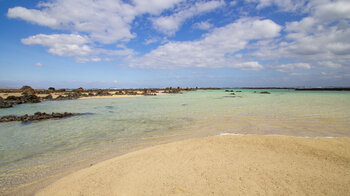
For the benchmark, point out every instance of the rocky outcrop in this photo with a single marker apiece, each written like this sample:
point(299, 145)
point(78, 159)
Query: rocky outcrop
point(131, 93)
point(172, 90)
point(37, 116)
point(102, 93)
point(47, 98)
point(69, 96)
point(120, 93)
point(22, 99)
point(4, 103)
point(27, 90)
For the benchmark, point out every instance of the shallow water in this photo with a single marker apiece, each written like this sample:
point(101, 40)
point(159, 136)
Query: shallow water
point(30, 151)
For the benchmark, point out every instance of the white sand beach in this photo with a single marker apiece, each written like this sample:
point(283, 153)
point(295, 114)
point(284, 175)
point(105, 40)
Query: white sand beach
point(220, 165)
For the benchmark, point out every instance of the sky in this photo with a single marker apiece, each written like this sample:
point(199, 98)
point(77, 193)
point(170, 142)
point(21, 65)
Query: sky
point(162, 43)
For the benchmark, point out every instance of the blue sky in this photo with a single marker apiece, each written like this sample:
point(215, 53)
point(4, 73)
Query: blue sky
point(160, 43)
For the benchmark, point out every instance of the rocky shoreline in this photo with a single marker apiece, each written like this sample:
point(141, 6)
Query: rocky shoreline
point(37, 116)
point(30, 95)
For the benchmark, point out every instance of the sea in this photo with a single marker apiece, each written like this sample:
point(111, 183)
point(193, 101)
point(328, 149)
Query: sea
point(38, 151)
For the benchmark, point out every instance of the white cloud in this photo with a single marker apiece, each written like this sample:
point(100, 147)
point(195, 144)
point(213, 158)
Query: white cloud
point(90, 21)
point(154, 6)
point(171, 24)
point(214, 49)
point(330, 64)
point(233, 3)
point(38, 64)
point(151, 40)
point(61, 44)
point(73, 45)
point(32, 15)
point(321, 38)
point(331, 10)
point(204, 25)
point(293, 66)
point(284, 5)
point(104, 21)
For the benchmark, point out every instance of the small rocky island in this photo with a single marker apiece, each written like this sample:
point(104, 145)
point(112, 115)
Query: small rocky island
point(37, 116)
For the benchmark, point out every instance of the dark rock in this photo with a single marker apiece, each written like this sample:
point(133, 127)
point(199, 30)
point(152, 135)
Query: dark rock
point(238, 91)
point(37, 116)
point(61, 90)
point(265, 92)
point(78, 90)
point(172, 91)
point(4, 104)
point(119, 93)
point(70, 96)
point(22, 99)
point(232, 93)
point(27, 90)
point(131, 92)
point(48, 97)
point(30, 99)
point(102, 93)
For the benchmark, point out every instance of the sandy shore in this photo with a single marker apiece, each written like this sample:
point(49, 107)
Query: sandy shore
point(55, 95)
point(109, 96)
point(220, 165)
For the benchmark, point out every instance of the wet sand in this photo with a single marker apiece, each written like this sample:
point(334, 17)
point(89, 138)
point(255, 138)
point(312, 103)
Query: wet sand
point(220, 165)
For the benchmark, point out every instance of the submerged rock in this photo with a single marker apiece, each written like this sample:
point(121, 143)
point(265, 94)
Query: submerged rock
point(37, 116)
point(265, 92)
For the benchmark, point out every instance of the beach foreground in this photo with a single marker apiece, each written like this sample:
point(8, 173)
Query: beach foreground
point(220, 165)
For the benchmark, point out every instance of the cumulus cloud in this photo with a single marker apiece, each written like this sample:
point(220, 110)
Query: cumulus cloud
point(73, 45)
point(214, 50)
point(321, 38)
point(204, 25)
point(293, 66)
point(61, 44)
point(284, 5)
point(171, 24)
point(104, 21)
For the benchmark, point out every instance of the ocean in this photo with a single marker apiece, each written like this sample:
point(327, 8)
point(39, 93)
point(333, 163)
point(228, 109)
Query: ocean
point(113, 126)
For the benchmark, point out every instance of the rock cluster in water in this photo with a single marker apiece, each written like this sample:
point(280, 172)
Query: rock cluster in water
point(13, 100)
point(37, 116)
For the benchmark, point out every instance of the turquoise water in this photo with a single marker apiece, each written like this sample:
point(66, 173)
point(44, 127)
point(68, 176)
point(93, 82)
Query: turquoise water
point(31, 151)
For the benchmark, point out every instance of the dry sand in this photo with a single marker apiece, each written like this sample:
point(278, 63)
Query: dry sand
point(220, 165)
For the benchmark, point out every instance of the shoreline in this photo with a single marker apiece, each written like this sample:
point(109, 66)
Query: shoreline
point(192, 158)
point(109, 96)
